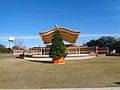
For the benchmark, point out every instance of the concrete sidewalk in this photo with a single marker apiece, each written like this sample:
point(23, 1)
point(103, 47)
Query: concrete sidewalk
point(110, 88)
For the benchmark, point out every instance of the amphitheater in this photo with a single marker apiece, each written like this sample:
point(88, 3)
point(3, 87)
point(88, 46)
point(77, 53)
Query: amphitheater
point(75, 52)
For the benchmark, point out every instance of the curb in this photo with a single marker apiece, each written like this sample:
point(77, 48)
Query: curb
point(111, 88)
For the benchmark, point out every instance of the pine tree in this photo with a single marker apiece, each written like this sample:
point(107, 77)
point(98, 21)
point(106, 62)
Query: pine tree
point(58, 49)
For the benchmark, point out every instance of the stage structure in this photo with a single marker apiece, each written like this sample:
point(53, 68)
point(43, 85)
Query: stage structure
point(74, 51)
point(85, 52)
point(67, 35)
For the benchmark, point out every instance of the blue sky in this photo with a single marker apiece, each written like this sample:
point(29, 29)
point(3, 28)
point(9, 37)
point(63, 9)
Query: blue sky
point(25, 18)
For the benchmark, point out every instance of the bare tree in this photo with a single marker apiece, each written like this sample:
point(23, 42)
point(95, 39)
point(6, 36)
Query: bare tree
point(18, 43)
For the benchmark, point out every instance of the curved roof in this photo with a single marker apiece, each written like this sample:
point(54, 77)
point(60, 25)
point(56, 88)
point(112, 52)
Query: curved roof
point(67, 35)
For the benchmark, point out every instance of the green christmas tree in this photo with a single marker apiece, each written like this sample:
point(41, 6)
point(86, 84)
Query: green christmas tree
point(58, 49)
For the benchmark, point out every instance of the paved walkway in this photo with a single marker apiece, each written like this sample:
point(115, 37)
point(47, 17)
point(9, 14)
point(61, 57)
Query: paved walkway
point(111, 88)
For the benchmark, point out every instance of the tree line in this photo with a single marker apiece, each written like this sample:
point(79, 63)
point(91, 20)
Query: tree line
point(3, 49)
point(106, 41)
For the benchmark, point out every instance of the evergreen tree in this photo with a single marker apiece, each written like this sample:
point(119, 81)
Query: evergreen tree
point(58, 49)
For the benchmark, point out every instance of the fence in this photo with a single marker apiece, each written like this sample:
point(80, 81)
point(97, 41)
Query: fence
point(70, 50)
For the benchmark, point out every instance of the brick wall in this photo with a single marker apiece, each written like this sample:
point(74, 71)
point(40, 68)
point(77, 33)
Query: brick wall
point(103, 50)
point(87, 50)
point(70, 50)
point(17, 53)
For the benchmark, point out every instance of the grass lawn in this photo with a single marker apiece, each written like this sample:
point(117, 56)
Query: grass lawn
point(95, 72)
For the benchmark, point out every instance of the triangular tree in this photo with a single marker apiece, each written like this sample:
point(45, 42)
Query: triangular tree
point(58, 49)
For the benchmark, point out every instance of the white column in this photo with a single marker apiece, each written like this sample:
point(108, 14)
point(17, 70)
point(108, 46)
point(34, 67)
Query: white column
point(79, 44)
point(76, 49)
point(41, 50)
point(41, 45)
point(44, 50)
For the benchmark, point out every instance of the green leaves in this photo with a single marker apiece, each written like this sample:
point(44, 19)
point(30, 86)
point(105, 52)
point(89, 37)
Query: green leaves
point(117, 46)
point(58, 48)
point(3, 49)
point(104, 41)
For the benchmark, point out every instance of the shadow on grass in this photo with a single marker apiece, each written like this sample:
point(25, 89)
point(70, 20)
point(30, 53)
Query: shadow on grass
point(49, 62)
point(117, 83)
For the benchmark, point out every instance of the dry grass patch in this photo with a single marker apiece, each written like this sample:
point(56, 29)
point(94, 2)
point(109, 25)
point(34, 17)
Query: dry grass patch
point(96, 72)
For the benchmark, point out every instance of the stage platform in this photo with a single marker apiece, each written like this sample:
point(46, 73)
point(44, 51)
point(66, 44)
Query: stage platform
point(47, 58)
